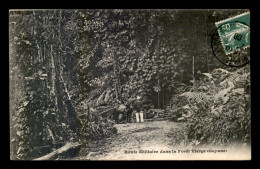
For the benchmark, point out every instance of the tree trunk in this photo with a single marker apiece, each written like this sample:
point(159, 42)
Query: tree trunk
point(114, 69)
point(193, 66)
point(61, 151)
point(207, 61)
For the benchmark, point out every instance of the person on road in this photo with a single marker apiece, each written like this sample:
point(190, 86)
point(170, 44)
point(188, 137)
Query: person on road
point(142, 115)
point(129, 110)
point(139, 110)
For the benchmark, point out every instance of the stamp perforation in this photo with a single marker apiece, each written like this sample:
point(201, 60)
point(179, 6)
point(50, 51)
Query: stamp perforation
point(231, 18)
point(229, 22)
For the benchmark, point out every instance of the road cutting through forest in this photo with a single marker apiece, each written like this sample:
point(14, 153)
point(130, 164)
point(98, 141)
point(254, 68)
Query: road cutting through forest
point(135, 141)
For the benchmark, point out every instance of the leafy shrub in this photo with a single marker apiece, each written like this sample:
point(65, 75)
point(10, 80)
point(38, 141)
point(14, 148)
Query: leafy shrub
point(93, 126)
point(20, 141)
point(219, 107)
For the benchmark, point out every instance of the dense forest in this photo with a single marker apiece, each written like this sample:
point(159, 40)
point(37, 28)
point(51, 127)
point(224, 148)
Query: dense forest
point(67, 67)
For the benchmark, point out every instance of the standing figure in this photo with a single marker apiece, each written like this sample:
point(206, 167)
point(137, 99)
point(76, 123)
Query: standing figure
point(142, 115)
point(129, 110)
point(138, 110)
point(137, 116)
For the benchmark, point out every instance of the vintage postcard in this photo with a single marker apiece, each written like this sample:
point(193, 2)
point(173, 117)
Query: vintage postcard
point(129, 84)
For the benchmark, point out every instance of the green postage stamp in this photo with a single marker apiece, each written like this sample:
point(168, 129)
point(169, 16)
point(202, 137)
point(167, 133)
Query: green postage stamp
point(235, 32)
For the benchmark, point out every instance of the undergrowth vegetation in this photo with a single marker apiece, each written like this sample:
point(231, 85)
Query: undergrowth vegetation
point(217, 108)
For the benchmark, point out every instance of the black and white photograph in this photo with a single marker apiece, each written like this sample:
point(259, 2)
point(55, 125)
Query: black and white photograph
point(129, 84)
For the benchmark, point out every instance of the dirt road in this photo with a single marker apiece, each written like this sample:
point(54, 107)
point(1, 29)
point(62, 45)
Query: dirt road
point(133, 138)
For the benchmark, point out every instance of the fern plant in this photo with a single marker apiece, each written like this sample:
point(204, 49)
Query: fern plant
point(224, 105)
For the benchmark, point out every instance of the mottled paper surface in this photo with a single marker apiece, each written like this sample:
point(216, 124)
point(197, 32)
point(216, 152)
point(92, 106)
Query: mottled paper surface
point(119, 84)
